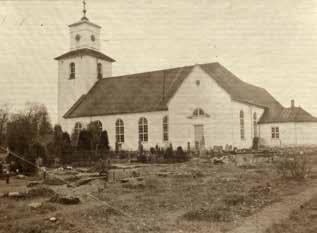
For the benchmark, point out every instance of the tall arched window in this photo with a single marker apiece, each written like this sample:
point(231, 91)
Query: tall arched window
point(77, 129)
point(119, 131)
point(75, 136)
point(165, 128)
point(143, 130)
point(99, 70)
point(72, 70)
point(242, 124)
point(255, 125)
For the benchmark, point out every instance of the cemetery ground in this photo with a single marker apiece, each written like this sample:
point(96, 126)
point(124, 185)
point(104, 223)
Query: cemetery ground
point(195, 196)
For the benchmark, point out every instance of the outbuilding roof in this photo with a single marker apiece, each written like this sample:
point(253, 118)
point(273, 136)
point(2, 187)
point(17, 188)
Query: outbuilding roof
point(292, 114)
point(151, 91)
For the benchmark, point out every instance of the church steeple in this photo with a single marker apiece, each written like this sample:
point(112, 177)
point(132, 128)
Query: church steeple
point(81, 67)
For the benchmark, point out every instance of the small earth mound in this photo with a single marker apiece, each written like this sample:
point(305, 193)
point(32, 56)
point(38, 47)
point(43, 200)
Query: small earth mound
point(40, 191)
point(52, 180)
point(65, 200)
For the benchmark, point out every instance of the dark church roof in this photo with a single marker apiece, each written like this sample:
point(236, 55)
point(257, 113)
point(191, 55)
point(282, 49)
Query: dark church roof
point(85, 51)
point(151, 91)
point(292, 114)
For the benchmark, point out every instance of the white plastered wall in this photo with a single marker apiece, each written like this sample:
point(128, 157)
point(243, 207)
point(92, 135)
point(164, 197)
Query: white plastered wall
point(248, 110)
point(131, 133)
point(291, 134)
point(70, 90)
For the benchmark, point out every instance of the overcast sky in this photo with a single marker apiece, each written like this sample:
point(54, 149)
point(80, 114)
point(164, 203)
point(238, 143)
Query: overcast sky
point(271, 43)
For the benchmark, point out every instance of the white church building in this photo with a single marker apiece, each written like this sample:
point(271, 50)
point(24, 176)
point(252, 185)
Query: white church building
point(197, 105)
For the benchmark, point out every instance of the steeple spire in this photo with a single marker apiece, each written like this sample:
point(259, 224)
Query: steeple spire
point(84, 11)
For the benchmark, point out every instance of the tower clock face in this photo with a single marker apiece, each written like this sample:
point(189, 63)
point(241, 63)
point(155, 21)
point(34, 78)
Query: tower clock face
point(77, 37)
point(92, 38)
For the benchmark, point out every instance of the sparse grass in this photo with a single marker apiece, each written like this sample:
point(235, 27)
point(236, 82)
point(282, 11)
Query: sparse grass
point(303, 220)
point(30, 228)
point(192, 196)
point(234, 199)
point(296, 166)
point(217, 213)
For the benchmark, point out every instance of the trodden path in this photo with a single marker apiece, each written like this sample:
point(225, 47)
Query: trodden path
point(261, 221)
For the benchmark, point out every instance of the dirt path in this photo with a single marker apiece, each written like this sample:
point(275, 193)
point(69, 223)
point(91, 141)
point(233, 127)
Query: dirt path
point(261, 221)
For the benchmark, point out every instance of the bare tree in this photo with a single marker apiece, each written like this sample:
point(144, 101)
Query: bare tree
point(4, 118)
point(39, 118)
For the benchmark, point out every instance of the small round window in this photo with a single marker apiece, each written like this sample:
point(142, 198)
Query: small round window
point(92, 38)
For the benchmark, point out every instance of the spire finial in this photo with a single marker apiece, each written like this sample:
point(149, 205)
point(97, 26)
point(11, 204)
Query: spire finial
point(84, 11)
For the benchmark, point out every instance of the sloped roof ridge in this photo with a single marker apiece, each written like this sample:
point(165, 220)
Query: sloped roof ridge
point(148, 72)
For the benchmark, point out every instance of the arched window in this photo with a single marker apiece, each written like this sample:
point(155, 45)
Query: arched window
point(119, 131)
point(165, 128)
point(72, 70)
point(198, 112)
point(143, 130)
point(255, 125)
point(242, 124)
point(99, 70)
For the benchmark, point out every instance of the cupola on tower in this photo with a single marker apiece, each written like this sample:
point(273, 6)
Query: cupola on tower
point(84, 34)
point(82, 65)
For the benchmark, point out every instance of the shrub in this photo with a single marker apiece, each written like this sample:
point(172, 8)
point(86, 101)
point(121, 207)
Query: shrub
point(85, 140)
point(38, 151)
point(180, 155)
point(66, 148)
point(169, 153)
point(296, 166)
point(104, 141)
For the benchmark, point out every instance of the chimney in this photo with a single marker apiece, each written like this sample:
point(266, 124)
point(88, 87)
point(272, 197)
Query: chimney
point(292, 103)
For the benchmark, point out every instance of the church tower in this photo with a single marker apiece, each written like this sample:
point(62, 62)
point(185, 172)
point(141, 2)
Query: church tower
point(82, 66)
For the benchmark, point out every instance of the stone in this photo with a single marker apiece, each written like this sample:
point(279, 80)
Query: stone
point(16, 194)
point(20, 176)
point(65, 200)
point(3, 195)
point(53, 219)
point(35, 205)
point(218, 161)
point(32, 184)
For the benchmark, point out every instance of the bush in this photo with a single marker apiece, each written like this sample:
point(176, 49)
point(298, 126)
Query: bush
point(169, 153)
point(104, 141)
point(84, 140)
point(66, 148)
point(180, 155)
point(296, 166)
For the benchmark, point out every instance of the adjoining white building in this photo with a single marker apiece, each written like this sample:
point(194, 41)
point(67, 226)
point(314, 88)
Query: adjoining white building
point(202, 104)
